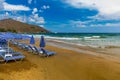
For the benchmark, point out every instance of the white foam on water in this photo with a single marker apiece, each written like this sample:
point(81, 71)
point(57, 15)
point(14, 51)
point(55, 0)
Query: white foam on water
point(62, 38)
point(92, 41)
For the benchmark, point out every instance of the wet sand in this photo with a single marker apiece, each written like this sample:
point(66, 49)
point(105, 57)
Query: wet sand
point(65, 65)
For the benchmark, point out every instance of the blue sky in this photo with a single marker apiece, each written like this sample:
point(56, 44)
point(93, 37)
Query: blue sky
point(65, 15)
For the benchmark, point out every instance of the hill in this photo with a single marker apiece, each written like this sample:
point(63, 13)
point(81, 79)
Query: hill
point(19, 27)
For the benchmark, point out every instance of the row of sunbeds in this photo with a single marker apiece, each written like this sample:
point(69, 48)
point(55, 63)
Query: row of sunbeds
point(33, 49)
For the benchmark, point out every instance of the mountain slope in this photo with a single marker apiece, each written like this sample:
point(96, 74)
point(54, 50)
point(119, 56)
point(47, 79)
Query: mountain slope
point(19, 27)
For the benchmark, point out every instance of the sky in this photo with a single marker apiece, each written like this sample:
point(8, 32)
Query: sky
point(94, 16)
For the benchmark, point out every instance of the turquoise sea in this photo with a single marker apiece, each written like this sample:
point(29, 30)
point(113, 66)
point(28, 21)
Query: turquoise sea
point(86, 39)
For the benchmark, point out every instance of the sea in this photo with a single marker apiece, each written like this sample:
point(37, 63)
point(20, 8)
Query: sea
point(85, 39)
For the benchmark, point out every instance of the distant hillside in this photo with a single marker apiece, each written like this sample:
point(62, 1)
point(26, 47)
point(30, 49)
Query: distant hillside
point(19, 27)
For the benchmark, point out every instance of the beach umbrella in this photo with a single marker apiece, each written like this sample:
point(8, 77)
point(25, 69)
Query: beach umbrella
point(3, 42)
point(42, 42)
point(32, 40)
point(20, 36)
point(25, 37)
point(8, 37)
point(17, 36)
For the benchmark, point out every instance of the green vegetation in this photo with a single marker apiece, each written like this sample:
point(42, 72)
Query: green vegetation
point(2, 30)
point(8, 30)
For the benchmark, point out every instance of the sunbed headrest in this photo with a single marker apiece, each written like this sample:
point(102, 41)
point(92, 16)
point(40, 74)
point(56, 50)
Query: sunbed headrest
point(8, 55)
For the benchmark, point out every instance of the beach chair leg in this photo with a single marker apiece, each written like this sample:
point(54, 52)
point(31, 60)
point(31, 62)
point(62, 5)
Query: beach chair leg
point(21, 59)
point(6, 62)
point(46, 55)
point(14, 60)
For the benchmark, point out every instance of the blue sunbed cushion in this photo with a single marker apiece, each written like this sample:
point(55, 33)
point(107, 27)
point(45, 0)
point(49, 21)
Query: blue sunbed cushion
point(47, 52)
point(14, 57)
point(18, 57)
point(8, 58)
point(17, 53)
point(50, 53)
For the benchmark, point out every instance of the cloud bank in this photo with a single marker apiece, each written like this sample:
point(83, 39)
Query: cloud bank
point(108, 9)
point(10, 7)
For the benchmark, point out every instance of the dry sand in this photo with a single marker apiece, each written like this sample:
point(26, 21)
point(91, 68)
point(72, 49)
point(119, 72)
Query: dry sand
point(65, 65)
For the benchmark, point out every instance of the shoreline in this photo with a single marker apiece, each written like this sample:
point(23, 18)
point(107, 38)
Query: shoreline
point(67, 64)
point(99, 52)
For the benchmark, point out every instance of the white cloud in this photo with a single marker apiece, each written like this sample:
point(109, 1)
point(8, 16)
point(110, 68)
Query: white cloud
point(106, 25)
point(91, 23)
point(31, 19)
point(4, 16)
point(20, 18)
point(41, 20)
point(7, 14)
point(29, 1)
point(45, 7)
point(34, 10)
point(106, 8)
point(40, 11)
point(115, 16)
point(10, 7)
point(41, 25)
point(1, 4)
point(35, 18)
point(79, 23)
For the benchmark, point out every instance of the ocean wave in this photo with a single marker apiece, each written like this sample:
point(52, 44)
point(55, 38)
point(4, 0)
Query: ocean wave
point(62, 38)
point(59, 38)
point(70, 38)
point(92, 41)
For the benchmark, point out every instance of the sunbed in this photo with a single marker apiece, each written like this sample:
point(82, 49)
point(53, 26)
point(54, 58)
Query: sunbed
point(30, 48)
point(37, 50)
point(47, 53)
point(44, 52)
point(9, 57)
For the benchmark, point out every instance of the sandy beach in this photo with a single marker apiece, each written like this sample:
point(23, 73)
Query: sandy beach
point(68, 64)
